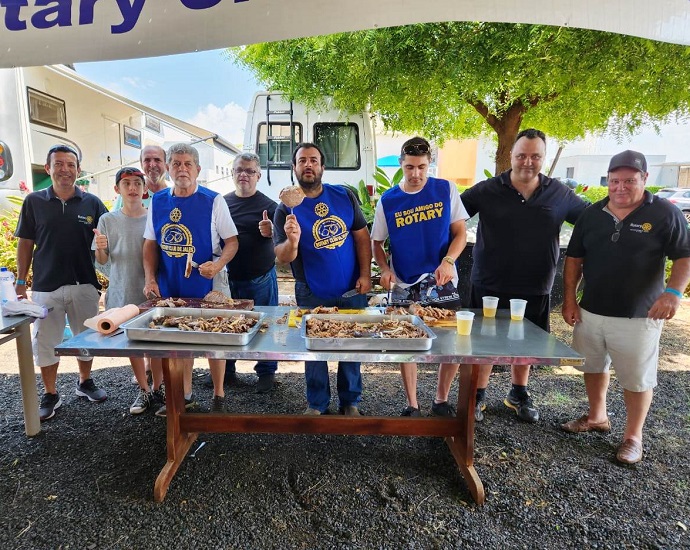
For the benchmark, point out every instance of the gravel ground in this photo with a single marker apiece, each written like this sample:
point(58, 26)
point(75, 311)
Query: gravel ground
point(86, 481)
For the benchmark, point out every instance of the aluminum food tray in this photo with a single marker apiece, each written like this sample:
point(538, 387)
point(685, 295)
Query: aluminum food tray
point(367, 344)
point(138, 328)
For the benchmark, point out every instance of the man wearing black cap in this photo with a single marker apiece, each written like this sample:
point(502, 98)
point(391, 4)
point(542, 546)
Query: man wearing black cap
point(619, 246)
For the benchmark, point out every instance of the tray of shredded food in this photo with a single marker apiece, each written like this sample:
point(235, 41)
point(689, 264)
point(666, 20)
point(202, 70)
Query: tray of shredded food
point(365, 332)
point(223, 327)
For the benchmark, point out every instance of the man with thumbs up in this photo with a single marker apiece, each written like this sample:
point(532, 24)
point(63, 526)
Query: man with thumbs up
point(252, 272)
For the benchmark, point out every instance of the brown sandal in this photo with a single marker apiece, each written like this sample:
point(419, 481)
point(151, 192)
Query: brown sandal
point(583, 424)
point(630, 452)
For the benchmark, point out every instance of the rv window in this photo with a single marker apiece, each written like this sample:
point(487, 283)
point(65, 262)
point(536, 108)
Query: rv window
point(279, 152)
point(46, 110)
point(339, 142)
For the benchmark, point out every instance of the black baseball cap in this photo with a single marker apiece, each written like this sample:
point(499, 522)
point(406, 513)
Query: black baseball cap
point(628, 159)
point(128, 171)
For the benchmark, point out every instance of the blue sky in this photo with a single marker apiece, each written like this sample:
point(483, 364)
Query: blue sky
point(203, 88)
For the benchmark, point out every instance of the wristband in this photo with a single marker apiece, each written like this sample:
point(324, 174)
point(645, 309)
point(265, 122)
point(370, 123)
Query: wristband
point(449, 260)
point(674, 292)
point(21, 282)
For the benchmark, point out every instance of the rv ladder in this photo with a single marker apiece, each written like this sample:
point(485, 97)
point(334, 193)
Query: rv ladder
point(270, 138)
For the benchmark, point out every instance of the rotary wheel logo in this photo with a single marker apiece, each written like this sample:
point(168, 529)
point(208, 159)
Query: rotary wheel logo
point(321, 210)
point(89, 220)
point(175, 215)
point(646, 227)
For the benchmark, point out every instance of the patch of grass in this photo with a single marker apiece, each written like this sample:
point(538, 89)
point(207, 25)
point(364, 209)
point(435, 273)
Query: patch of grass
point(558, 399)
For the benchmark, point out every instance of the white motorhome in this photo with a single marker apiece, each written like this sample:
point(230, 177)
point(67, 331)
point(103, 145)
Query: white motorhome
point(46, 105)
point(275, 124)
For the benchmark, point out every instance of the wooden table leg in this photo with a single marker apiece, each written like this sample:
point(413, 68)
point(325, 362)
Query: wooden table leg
point(462, 445)
point(178, 443)
point(27, 380)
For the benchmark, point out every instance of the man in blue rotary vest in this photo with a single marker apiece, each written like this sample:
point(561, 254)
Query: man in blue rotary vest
point(188, 220)
point(326, 241)
point(424, 220)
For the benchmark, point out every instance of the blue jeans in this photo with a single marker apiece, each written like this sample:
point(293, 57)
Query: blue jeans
point(264, 291)
point(349, 378)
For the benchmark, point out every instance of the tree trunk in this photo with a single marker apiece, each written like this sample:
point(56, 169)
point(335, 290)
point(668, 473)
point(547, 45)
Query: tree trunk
point(507, 128)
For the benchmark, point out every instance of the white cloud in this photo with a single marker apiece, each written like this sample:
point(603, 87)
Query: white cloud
point(227, 121)
point(138, 83)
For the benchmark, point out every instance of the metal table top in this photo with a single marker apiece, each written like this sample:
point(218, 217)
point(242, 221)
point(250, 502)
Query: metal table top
point(495, 341)
point(13, 321)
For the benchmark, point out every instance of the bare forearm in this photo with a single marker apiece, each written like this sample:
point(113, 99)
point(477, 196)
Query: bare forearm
point(102, 256)
point(572, 274)
point(380, 255)
point(363, 249)
point(25, 253)
point(457, 245)
point(150, 260)
point(680, 275)
point(286, 251)
point(229, 250)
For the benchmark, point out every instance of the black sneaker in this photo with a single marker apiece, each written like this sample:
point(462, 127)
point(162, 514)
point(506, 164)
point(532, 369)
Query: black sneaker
point(479, 408)
point(231, 380)
point(49, 403)
point(218, 404)
point(523, 407)
point(265, 383)
point(141, 403)
point(158, 396)
point(89, 390)
point(189, 404)
point(411, 411)
point(442, 409)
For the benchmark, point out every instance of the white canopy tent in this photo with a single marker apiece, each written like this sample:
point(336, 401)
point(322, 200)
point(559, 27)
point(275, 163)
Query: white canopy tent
point(44, 32)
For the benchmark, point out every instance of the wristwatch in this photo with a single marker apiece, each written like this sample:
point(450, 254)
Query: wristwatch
point(449, 260)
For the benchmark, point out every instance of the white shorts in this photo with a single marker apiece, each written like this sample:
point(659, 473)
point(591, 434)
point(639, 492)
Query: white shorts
point(78, 302)
point(631, 346)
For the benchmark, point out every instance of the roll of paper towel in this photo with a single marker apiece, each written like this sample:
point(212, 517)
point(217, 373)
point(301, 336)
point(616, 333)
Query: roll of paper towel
point(110, 320)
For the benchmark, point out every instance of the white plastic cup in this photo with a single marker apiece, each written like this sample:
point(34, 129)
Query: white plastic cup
point(464, 322)
point(490, 304)
point(517, 309)
point(516, 331)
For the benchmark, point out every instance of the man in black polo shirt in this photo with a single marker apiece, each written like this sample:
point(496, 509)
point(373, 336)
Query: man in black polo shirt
point(55, 230)
point(516, 252)
point(620, 246)
point(252, 272)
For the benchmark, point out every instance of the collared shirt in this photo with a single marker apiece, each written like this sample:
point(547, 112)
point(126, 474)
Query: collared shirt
point(517, 246)
point(623, 278)
point(62, 232)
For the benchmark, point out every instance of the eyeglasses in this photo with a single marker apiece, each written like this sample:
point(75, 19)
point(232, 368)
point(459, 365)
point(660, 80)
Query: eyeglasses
point(249, 171)
point(617, 234)
point(416, 149)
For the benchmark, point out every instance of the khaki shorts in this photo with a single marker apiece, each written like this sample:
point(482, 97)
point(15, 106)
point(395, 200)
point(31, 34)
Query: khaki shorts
point(78, 302)
point(630, 346)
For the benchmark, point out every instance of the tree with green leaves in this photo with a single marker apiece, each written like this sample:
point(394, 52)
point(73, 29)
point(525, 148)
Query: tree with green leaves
point(463, 79)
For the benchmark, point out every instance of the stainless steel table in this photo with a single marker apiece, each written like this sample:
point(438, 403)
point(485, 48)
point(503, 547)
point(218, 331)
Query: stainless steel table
point(18, 328)
point(492, 341)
